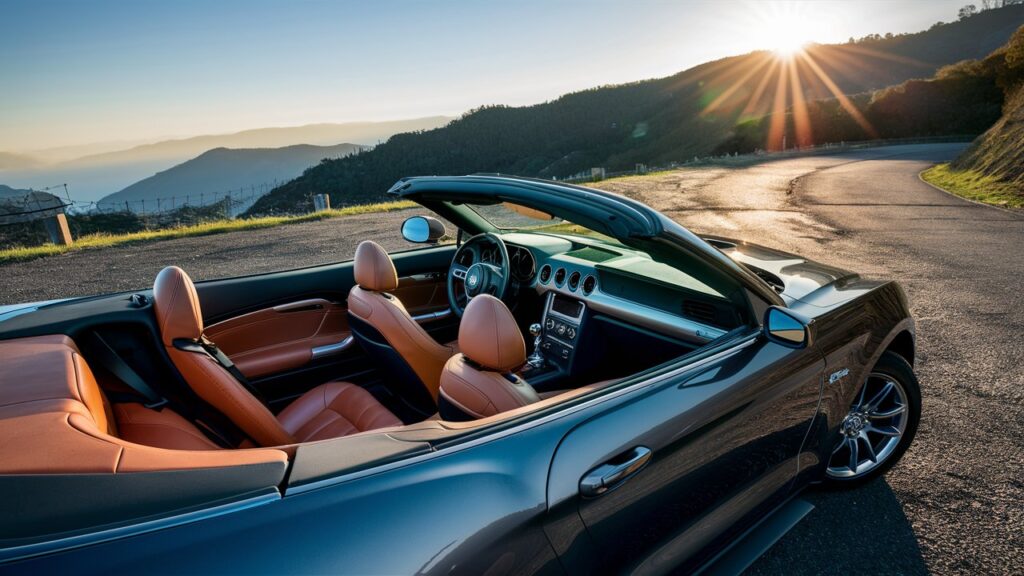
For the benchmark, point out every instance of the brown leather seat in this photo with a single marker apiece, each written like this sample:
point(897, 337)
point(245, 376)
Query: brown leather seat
point(478, 381)
point(54, 418)
point(327, 411)
point(381, 324)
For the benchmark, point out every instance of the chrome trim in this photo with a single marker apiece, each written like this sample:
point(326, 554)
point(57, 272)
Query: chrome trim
point(79, 540)
point(459, 273)
point(643, 384)
point(332, 349)
point(429, 316)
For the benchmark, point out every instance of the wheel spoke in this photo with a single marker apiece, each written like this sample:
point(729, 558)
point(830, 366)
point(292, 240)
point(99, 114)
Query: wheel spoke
point(876, 415)
point(881, 396)
point(854, 457)
point(884, 430)
point(870, 449)
point(863, 391)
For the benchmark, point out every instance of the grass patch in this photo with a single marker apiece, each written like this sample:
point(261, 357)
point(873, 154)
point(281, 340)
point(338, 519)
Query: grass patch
point(20, 254)
point(976, 186)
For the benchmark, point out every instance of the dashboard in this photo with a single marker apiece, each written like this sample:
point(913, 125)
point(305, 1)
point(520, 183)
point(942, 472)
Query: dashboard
point(573, 276)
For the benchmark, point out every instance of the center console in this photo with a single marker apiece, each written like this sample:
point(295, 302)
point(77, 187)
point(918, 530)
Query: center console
point(561, 329)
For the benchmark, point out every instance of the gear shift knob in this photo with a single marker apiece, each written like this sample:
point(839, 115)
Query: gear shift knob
point(535, 360)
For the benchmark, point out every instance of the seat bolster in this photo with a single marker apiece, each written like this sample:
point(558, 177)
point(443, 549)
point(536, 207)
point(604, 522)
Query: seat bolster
point(219, 388)
point(482, 393)
point(159, 428)
point(335, 409)
point(425, 356)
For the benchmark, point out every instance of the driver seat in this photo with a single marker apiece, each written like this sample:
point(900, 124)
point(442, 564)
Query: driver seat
point(398, 345)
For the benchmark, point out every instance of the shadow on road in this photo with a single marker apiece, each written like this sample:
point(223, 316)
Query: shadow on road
point(855, 531)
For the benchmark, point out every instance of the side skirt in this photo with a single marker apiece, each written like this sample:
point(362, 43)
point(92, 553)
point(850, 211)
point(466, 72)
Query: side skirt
point(753, 543)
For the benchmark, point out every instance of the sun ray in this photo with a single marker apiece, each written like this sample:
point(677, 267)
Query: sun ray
point(840, 96)
point(740, 83)
point(801, 117)
point(755, 99)
point(777, 128)
point(883, 56)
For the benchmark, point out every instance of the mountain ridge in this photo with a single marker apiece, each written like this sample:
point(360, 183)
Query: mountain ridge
point(221, 170)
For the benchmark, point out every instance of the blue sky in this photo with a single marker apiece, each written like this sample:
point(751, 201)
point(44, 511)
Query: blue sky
point(80, 72)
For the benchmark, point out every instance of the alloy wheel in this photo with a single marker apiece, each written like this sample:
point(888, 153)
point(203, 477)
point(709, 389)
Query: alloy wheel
point(871, 430)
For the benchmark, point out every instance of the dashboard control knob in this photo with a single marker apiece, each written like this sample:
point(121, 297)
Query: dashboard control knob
point(550, 324)
point(561, 329)
point(571, 333)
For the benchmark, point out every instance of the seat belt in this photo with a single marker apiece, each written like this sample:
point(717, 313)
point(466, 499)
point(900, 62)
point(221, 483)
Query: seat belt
point(114, 364)
point(205, 346)
point(110, 360)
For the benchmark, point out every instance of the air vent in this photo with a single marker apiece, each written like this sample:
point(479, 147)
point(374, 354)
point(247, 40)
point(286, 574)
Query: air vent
point(559, 276)
point(574, 281)
point(589, 283)
point(700, 311)
point(545, 274)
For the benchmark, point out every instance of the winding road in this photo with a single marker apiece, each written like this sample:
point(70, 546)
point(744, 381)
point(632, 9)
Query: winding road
point(955, 504)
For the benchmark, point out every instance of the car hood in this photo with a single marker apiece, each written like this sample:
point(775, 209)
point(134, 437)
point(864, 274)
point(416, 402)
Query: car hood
point(803, 280)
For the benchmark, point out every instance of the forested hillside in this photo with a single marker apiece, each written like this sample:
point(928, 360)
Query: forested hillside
point(999, 152)
point(651, 122)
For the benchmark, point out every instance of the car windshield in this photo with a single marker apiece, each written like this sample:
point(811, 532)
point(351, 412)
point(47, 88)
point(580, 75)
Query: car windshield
point(515, 217)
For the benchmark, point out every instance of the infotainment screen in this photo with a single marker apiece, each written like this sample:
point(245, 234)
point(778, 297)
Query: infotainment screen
point(567, 306)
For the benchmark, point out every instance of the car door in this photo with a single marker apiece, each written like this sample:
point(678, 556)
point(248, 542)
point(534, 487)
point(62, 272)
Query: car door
point(288, 331)
point(665, 478)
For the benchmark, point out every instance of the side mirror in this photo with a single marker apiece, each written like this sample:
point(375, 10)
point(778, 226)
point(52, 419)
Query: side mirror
point(786, 327)
point(423, 230)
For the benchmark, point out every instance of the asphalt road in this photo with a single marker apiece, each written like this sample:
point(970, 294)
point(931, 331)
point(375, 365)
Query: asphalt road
point(955, 504)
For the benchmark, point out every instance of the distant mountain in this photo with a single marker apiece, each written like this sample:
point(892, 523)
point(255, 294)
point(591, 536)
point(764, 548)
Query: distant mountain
point(7, 192)
point(653, 121)
point(213, 174)
point(91, 177)
point(366, 133)
point(11, 161)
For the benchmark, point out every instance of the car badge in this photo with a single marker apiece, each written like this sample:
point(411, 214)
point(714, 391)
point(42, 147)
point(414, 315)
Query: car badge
point(838, 375)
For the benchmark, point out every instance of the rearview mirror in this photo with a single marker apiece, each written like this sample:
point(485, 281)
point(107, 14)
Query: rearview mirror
point(423, 229)
point(786, 327)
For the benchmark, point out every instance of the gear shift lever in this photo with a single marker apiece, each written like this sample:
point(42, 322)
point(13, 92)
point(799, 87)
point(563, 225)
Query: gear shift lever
point(535, 360)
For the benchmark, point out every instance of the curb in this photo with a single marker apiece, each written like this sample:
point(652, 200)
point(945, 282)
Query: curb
point(959, 197)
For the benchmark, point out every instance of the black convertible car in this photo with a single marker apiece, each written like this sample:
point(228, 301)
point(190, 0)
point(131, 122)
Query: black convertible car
point(562, 380)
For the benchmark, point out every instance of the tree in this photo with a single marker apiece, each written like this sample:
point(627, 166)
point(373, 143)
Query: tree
point(967, 11)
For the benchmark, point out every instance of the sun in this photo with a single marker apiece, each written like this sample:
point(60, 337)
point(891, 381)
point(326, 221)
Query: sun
point(785, 29)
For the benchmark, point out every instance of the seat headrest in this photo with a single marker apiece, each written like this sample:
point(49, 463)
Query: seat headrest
point(374, 269)
point(176, 305)
point(489, 335)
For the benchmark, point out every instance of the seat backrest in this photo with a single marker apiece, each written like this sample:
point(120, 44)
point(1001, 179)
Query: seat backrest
point(478, 382)
point(412, 359)
point(179, 317)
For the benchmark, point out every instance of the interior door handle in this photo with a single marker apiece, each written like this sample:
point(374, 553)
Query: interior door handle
point(614, 472)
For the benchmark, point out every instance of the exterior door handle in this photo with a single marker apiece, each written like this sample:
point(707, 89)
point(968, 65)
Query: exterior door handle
point(614, 472)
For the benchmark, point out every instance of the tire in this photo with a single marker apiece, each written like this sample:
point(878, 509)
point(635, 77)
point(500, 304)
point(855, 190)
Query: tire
point(870, 431)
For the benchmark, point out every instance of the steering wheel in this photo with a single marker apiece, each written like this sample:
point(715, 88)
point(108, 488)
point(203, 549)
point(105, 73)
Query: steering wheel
point(479, 277)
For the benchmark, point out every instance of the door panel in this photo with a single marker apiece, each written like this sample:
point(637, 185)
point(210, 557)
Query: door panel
point(281, 338)
point(724, 440)
point(423, 293)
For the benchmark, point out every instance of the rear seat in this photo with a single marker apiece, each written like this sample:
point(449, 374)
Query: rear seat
point(55, 419)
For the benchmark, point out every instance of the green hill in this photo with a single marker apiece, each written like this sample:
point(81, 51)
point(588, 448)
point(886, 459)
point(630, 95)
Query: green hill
point(999, 152)
point(651, 122)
